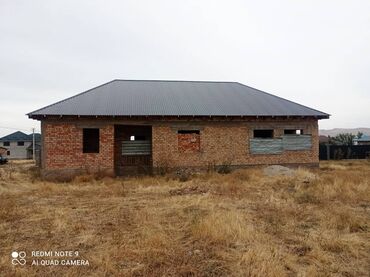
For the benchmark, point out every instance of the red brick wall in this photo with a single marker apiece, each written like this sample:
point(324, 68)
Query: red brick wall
point(228, 143)
point(218, 143)
point(62, 148)
point(188, 143)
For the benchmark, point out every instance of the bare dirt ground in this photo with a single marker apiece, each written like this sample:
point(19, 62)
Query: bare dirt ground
point(312, 223)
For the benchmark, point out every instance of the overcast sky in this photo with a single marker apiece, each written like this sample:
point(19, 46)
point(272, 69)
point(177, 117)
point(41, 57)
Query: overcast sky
point(316, 53)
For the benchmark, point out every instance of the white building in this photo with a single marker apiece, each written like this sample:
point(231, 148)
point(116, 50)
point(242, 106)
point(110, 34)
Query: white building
point(18, 145)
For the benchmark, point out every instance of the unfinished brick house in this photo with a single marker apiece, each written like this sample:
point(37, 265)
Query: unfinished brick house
point(129, 127)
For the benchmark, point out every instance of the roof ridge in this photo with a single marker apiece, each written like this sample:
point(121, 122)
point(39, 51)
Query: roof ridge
point(282, 98)
point(14, 134)
point(185, 81)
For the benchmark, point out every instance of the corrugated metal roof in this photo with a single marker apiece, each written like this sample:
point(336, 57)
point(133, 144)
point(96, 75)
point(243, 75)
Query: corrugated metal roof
point(363, 138)
point(175, 98)
point(20, 136)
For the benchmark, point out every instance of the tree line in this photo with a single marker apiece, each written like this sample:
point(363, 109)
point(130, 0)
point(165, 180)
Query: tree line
point(344, 138)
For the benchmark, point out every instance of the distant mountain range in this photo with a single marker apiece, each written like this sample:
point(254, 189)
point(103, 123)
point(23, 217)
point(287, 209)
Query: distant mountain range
point(336, 131)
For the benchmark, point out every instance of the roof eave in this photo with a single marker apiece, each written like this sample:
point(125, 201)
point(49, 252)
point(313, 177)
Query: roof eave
point(55, 116)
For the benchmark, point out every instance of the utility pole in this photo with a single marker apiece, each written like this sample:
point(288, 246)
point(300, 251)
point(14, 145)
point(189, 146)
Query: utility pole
point(33, 145)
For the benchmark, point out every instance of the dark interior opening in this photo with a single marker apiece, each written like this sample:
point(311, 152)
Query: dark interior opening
point(90, 140)
point(188, 132)
point(137, 137)
point(293, 132)
point(263, 133)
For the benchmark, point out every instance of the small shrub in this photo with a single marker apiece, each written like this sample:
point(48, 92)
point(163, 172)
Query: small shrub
point(338, 154)
point(183, 175)
point(163, 167)
point(224, 169)
point(162, 171)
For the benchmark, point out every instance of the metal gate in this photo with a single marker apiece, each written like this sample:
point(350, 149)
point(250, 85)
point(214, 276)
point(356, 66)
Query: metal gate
point(133, 153)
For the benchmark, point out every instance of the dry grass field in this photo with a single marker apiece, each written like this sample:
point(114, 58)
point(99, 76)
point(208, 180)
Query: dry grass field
point(315, 223)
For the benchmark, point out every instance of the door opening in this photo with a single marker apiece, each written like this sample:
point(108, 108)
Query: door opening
point(133, 150)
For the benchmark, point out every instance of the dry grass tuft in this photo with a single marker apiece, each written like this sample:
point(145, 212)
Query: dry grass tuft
point(312, 223)
point(332, 166)
point(224, 227)
point(262, 260)
point(85, 178)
